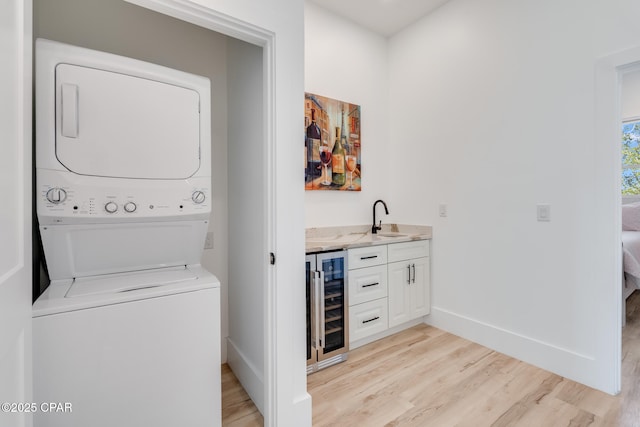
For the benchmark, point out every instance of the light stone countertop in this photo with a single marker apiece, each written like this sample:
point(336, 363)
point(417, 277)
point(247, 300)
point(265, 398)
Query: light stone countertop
point(323, 239)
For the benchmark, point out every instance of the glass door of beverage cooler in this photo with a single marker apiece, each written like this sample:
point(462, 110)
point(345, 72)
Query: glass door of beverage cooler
point(332, 305)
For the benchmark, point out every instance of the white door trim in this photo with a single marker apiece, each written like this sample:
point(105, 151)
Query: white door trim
point(608, 118)
point(233, 27)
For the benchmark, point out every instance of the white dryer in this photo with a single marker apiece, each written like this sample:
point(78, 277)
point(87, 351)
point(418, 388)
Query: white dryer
point(128, 331)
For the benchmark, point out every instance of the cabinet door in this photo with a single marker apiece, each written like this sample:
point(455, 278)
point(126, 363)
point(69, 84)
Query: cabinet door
point(420, 287)
point(409, 290)
point(399, 297)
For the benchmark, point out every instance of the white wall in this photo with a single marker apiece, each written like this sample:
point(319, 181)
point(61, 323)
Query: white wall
point(246, 171)
point(348, 63)
point(631, 95)
point(494, 99)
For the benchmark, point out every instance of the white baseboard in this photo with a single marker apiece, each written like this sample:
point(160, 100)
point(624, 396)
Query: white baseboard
point(547, 356)
point(302, 408)
point(250, 377)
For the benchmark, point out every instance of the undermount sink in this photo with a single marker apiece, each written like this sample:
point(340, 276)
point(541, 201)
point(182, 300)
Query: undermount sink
point(390, 234)
point(322, 239)
point(335, 239)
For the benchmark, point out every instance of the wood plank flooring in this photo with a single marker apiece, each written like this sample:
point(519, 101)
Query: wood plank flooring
point(426, 377)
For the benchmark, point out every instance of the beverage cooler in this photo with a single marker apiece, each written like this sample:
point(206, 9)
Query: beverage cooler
point(327, 310)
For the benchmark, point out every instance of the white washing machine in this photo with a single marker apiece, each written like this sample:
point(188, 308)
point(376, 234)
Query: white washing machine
point(128, 331)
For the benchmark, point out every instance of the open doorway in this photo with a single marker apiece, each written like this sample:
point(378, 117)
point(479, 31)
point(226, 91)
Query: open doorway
point(630, 184)
point(241, 211)
point(630, 193)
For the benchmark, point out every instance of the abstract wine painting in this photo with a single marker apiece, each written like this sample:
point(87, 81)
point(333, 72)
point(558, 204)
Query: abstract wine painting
point(332, 146)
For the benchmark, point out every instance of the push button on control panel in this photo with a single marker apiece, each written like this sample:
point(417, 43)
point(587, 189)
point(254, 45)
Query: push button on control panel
point(56, 195)
point(130, 207)
point(111, 207)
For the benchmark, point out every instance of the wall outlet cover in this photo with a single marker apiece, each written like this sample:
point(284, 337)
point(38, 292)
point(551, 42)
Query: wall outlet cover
point(208, 241)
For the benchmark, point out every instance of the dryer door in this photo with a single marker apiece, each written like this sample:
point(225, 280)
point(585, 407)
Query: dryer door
point(115, 125)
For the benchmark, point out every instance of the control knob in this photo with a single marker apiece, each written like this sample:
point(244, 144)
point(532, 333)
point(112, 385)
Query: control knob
point(111, 207)
point(198, 197)
point(130, 207)
point(56, 195)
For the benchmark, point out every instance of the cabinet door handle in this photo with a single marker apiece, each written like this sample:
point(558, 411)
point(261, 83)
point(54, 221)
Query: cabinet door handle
point(370, 320)
point(371, 284)
point(362, 258)
point(414, 272)
point(408, 274)
point(322, 311)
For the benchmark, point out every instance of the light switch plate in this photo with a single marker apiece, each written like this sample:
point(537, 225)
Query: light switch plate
point(544, 212)
point(442, 209)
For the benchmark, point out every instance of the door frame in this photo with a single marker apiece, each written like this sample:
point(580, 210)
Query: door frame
point(235, 28)
point(609, 72)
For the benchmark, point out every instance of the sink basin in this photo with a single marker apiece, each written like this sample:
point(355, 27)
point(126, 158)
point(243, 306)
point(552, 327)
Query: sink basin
point(390, 234)
point(322, 239)
point(335, 239)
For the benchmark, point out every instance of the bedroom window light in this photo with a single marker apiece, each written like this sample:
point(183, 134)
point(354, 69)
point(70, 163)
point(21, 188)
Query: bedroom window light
point(631, 157)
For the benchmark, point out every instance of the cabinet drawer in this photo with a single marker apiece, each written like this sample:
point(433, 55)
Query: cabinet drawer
point(367, 284)
point(408, 250)
point(367, 256)
point(367, 319)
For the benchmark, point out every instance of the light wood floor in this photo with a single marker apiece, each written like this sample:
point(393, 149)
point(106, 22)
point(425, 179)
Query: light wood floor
point(427, 377)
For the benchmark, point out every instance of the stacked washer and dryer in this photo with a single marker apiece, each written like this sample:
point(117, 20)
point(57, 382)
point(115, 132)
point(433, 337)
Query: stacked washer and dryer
point(128, 331)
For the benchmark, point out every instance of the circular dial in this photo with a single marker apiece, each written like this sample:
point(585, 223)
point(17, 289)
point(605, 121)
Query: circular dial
point(56, 195)
point(198, 197)
point(130, 207)
point(111, 207)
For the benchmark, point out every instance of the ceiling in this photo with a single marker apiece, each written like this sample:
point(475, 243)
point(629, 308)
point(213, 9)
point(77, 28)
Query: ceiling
point(385, 17)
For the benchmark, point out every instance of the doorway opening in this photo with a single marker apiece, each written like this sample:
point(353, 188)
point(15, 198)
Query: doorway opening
point(236, 60)
point(610, 74)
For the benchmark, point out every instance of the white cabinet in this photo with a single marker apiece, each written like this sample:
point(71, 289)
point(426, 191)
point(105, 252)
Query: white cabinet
point(408, 290)
point(367, 284)
point(388, 285)
point(409, 281)
point(367, 319)
point(367, 291)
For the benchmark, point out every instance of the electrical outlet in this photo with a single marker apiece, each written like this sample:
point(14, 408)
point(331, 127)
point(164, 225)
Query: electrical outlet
point(208, 241)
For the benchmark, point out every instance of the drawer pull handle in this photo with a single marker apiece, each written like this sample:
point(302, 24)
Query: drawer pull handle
point(368, 257)
point(370, 320)
point(371, 284)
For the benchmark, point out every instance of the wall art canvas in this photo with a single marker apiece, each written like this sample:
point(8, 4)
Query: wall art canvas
point(332, 145)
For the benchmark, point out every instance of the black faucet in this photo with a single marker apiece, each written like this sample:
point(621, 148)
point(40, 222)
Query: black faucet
point(375, 228)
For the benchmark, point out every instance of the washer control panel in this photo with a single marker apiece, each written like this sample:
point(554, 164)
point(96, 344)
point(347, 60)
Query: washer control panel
point(87, 199)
